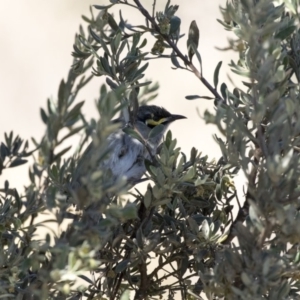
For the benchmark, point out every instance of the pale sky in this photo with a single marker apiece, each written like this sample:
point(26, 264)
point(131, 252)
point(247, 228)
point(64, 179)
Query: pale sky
point(36, 42)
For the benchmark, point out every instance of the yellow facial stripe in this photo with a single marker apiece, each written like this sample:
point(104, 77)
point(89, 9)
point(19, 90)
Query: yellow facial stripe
point(155, 123)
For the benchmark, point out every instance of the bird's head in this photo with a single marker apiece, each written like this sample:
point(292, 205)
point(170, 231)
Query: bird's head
point(150, 116)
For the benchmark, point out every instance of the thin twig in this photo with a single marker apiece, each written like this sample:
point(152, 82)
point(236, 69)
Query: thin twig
point(128, 4)
point(159, 267)
point(238, 200)
point(153, 9)
point(117, 286)
point(184, 58)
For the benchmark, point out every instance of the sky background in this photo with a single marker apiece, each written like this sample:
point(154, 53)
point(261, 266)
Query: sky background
point(36, 40)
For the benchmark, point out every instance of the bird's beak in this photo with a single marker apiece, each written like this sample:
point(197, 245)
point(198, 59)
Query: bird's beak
point(176, 117)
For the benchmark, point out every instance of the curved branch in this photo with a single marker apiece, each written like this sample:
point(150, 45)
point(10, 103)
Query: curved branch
point(186, 61)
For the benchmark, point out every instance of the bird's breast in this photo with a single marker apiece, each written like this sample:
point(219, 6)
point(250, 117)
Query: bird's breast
point(127, 156)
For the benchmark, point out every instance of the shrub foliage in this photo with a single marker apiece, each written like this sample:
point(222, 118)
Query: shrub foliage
point(176, 238)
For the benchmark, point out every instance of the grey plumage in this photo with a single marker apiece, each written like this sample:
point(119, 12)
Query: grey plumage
point(126, 154)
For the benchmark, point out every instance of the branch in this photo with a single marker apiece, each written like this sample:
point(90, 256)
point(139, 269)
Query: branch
point(244, 210)
point(186, 61)
point(141, 293)
point(160, 266)
point(153, 8)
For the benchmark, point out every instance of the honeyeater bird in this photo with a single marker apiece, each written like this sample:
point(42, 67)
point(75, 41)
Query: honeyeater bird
point(126, 154)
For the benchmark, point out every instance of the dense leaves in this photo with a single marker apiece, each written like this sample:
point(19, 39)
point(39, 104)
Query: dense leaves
point(184, 222)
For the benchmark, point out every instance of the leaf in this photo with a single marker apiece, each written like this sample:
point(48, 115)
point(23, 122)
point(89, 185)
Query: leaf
point(246, 279)
point(112, 23)
point(189, 174)
point(223, 90)
point(26, 154)
point(175, 25)
point(53, 172)
point(72, 132)
point(143, 44)
point(8, 139)
point(120, 267)
point(201, 180)
point(284, 290)
point(25, 146)
point(1, 165)
point(117, 41)
point(100, 41)
point(105, 65)
point(162, 202)
point(17, 162)
point(133, 133)
point(44, 116)
point(61, 95)
point(193, 225)
point(74, 112)
point(16, 145)
point(112, 84)
point(193, 97)
point(193, 38)
point(167, 5)
point(194, 33)
point(184, 264)
point(148, 198)
point(129, 212)
point(141, 70)
point(5, 296)
point(205, 229)
point(85, 43)
point(199, 59)
point(216, 74)
point(135, 40)
point(139, 238)
point(193, 155)
point(218, 192)
point(254, 216)
point(174, 60)
point(18, 199)
point(158, 129)
point(4, 151)
point(100, 7)
point(80, 54)
point(142, 84)
point(62, 152)
point(285, 33)
point(86, 19)
point(6, 186)
point(125, 295)
point(150, 168)
point(195, 51)
point(86, 279)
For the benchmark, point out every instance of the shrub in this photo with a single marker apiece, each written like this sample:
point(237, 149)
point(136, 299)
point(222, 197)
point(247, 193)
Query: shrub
point(184, 221)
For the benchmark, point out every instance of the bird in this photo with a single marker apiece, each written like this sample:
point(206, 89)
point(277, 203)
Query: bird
point(126, 154)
